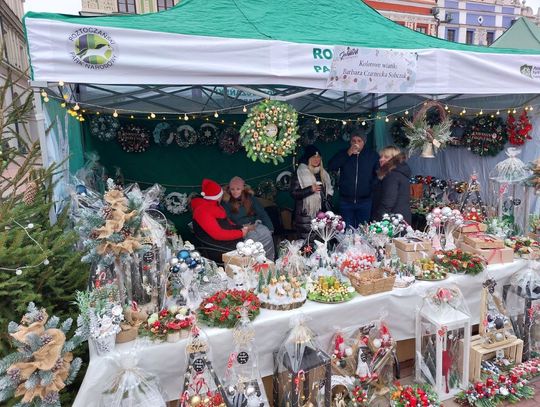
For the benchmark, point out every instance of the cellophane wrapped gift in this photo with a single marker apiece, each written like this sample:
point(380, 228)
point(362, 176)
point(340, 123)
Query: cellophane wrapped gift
point(343, 350)
point(130, 385)
point(242, 382)
point(291, 261)
point(302, 370)
point(522, 301)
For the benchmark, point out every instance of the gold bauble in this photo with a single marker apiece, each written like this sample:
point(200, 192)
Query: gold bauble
point(206, 400)
point(195, 401)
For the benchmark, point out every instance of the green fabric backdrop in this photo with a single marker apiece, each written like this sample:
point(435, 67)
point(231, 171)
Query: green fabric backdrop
point(182, 169)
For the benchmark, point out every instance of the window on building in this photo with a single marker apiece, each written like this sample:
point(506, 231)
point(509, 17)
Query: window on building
point(164, 4)
point(451, 35)
point(127, 6)
point(469, 38)
point(421, 29)
point(490, 38)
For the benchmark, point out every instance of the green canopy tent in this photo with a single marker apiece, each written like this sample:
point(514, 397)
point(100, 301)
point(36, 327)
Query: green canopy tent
point(523, 34)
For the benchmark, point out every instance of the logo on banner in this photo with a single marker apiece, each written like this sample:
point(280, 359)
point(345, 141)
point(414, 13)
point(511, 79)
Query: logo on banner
point(530, 71)
point(92, 48)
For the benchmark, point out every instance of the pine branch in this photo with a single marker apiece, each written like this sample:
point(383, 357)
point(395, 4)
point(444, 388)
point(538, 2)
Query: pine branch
point(73, 370)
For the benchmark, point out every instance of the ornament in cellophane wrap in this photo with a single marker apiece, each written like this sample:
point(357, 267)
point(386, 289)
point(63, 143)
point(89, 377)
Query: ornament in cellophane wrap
point(443, 329)
point(512, 170)
point(302, 370)
point(92, 174)
point(522, 302)
point(201, 385)
point(325, 227)
point(242, 381)
point(290, 260)
point(129, 385)
point(380, 233)
point(354, 254)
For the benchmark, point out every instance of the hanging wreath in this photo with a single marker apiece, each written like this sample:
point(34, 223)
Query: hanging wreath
point(283, 180)
point(270, 132)
point(518, 132)
point(185, 136)
point(397, 131)
point(104, 127)
point(309, 133)
point(329, 131)
point(163, 134)
point(426, 137)
point(133, 139)
point(176, 203)
point(459, 125)
point(208, 134)
point(266, 189)
point(485, 136)
point(229, 140)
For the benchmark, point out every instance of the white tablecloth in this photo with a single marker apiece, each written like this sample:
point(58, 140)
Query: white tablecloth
point(166, 360)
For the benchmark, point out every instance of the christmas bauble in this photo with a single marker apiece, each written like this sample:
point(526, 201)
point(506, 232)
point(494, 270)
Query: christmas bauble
point(183, 254)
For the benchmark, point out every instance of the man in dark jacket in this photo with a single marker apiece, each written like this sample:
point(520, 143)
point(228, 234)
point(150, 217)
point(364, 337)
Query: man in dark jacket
point(357, 173)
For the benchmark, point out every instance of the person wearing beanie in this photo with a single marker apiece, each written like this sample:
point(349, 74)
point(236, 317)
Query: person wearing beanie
point(244, 209)
point(210, 222)
point(311, 189)
point(357, 168)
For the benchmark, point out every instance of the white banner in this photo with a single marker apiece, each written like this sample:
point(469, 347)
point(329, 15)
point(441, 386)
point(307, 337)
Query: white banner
point(61, 51)
point(373, 70)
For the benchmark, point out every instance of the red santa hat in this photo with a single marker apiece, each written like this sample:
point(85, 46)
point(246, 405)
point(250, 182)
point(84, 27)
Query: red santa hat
point(211, 190)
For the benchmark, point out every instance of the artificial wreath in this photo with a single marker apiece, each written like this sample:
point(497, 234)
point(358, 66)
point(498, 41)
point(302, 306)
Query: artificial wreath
point(460, 262)
point(270, 132)
point(421, 134)
point(415, 394)
point(283, 180)
point(176, 203)
point(163, 134)
point(485, 135)
point(309, 133)
point(133, 139)
point(266, 189)
point(166, 321)
point(329, 131)
point(223, 308)
point(104, 127)
point(518, 132)
point(208, 134)
point(186, 136)
point(229, 140)
point(459, 125)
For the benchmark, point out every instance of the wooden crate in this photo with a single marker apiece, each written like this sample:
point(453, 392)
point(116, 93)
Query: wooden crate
point(512, 350)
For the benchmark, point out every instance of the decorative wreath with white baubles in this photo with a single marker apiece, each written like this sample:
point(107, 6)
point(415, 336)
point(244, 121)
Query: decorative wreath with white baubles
point(176, 203)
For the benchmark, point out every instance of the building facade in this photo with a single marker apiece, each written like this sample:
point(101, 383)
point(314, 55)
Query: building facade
point(416, 15)
point(126, 6)
point(478, 22)
point(14, 60)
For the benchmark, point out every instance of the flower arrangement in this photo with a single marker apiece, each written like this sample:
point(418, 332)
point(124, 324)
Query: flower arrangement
point(496, 390)
point(169, 320)
point(330, 290)
point(485, 136)
point(460, 262)
point(427, 269)
point(223, 308)
point(424, 137)
point(502, 228)
point(270, 132)
point(518, 131)
point(359, 396)
point(43, 363)
point(523, 245)
point(413, 396)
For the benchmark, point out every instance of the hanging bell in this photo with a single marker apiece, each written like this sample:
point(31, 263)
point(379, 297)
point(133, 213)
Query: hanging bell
point(427, 151)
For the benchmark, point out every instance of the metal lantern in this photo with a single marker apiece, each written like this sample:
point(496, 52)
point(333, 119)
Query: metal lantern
point(302, 371)
point(443, 337)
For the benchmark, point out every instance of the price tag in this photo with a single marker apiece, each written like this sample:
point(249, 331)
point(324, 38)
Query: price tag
point(242, 358)
point(499, 354)
point(198, 365)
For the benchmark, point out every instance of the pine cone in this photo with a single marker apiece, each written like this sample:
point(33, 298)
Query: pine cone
point(30, 193)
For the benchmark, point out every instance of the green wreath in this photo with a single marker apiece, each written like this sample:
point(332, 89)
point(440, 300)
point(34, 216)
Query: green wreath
point(485, 136)
point(270, 132)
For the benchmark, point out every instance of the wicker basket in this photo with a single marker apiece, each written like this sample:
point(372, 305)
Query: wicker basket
point(372, 281)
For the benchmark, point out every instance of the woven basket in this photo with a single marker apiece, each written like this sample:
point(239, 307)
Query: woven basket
point(372, 282)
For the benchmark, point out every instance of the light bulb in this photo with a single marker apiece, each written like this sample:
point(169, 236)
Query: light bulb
point(234, 123)
point(76, 107)
point(445, 107)
point(481, 112)
point(363, 123)
point(317, 121)
point(45, 99)
point(514, 111)
point(244, 109)
point(406, 112)
point(43, 93)
point(131, 117)
point(186, 117)
point(164, 118)
point(463, 111)
point(216, 115)
point(115, 114)
point(65, 96)
point(344, 122)
point(386, 119)
point(530, 108)
point(63, 104)
point(61, 83)
point(97, 113)
point(153, 115)
point(498, 113)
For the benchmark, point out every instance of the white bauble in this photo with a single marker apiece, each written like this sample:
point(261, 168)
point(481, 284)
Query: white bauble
point(240, 245)
point(446, 211)
point(183, 267)
point(377, 343)
point(174, 261)
point(400, 217)
point(249, 242)
point(330, 214)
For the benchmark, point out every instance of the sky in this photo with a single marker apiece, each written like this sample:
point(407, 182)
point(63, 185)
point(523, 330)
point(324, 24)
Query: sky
point(74, 6)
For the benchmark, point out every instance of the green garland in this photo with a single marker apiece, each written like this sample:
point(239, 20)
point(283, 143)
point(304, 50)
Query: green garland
point(485, 136)
point(270, 132)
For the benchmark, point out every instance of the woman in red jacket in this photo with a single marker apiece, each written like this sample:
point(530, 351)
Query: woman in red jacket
point(210, 223)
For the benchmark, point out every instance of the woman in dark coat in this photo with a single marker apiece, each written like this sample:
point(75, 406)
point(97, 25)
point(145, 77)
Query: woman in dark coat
point(391, 193)
point(311, 189)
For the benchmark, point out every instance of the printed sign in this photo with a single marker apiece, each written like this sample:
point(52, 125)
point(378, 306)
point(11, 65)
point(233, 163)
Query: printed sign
point(242, 358)
point(373, 70)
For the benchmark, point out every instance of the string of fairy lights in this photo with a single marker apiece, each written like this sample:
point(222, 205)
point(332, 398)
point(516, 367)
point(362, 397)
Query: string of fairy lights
point(79, 110)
